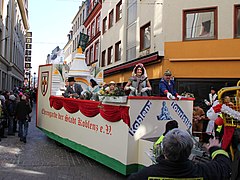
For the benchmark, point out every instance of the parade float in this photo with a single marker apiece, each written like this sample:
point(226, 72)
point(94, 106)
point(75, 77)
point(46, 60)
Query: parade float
point(117, 131)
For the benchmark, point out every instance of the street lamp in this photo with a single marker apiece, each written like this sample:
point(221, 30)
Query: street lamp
point(34, 76)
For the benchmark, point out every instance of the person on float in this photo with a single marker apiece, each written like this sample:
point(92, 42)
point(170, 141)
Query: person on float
point(91, 91)
point(212, 97)
point(177, 147)
point(73, 90)
point(167, 86)
point(111, 88)
point(138, 83)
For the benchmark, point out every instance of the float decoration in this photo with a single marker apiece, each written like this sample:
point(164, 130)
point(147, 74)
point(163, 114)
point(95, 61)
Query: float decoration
point(110, 113)
point(226, 109)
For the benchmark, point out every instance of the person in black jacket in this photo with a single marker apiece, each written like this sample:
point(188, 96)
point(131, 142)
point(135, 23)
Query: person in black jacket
point(73, 90)
point(23, 110)
point(177, 146)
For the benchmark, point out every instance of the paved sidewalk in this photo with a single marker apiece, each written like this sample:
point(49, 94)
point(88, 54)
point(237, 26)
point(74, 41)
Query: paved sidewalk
point(42, 158)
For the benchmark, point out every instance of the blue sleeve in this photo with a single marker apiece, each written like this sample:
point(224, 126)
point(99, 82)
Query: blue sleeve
point(162, 87)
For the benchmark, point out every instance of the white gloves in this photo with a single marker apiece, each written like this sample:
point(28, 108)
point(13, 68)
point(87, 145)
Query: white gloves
point(170, 96)
point(179, 97)
point(145, 89)
point(132, 88)
point(82, 93)
point(206, 102)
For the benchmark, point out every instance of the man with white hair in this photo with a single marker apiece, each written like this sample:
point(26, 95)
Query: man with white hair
point(177, 146)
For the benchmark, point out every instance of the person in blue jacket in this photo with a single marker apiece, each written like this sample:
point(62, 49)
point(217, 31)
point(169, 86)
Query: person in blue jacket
point(166, 86)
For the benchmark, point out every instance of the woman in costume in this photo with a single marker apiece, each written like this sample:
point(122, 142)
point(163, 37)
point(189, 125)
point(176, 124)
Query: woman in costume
point(138, 83)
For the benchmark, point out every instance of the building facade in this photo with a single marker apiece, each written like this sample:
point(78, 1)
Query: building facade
point(198, 41)
point(136, 36)
point(203, 52)
point(56, 57)
point(70, 48)
point(13, 27)
point(92, 24)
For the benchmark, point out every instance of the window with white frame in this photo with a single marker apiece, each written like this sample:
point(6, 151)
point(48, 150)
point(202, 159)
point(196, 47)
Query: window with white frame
point(98, 23)
point(89, 32)
point(200, 24)
point(91, 55)
point(145, 36)
point(131, 30)
point(87, 57)
point(93, 29)
point(96, 51)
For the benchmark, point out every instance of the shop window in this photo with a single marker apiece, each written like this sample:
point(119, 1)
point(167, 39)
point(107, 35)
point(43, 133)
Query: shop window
point(200, 24)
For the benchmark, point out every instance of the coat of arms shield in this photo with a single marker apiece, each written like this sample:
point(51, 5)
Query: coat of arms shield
point(44, 82)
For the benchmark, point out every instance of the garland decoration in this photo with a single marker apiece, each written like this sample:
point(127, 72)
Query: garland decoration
point(226, 109)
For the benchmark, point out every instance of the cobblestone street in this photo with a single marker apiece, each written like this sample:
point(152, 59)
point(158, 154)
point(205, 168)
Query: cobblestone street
point(42, 158)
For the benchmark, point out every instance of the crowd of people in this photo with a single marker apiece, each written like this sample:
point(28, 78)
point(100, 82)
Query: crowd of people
point(15, 112)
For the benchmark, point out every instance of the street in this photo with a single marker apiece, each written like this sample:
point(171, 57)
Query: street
point(43, 158)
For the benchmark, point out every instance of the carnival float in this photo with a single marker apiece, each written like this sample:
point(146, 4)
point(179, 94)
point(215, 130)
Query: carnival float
point(116, 131)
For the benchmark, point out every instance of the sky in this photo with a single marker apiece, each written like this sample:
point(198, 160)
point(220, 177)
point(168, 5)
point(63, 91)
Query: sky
point(50, 21)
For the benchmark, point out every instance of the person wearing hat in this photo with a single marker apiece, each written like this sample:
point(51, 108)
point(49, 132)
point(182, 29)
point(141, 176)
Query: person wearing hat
point(111, 88)
point(212, 97)
point(167, 86)
point(138, 83)
point(73, 89)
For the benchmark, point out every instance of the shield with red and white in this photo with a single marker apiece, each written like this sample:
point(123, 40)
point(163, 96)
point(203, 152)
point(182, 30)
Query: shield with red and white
point(44, 82)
